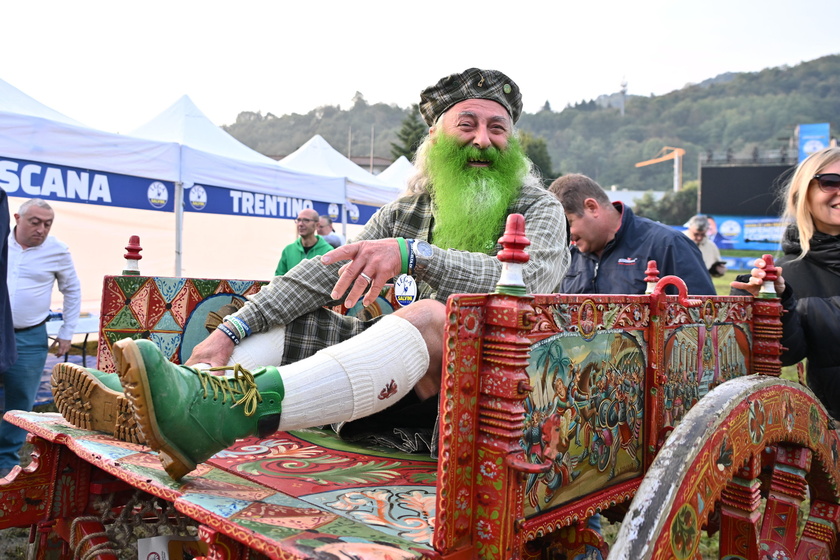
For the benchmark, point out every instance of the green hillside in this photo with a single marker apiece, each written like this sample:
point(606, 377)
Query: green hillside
point(739, 112)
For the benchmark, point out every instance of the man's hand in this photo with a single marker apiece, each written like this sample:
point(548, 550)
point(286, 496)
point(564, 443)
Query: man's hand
point(60, 347)
point(757, 274)
point(379, 260)
point(214, 350)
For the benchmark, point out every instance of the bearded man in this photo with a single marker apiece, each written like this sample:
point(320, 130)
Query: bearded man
point(335, 369)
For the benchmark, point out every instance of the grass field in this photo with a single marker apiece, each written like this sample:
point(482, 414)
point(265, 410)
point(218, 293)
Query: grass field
point(722, 283)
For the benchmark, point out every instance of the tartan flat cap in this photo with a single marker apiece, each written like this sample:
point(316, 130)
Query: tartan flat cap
point(472, 83)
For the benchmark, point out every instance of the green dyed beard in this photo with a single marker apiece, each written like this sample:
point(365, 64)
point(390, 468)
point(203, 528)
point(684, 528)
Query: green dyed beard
point(471, 203)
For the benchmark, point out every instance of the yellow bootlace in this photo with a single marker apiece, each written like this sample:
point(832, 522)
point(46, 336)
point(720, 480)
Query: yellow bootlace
point(242, 383)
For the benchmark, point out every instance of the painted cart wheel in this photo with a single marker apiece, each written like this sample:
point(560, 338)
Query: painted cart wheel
point(742, 461)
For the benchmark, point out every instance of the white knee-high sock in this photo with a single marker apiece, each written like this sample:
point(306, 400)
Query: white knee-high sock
point(260, 349)
point(356, 378)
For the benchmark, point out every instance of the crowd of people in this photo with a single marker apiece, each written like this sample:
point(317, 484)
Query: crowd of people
point(306, 365)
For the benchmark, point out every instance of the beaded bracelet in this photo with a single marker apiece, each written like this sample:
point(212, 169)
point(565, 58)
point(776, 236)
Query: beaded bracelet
point(403, 254)
point(230, 334)
point(241, 326)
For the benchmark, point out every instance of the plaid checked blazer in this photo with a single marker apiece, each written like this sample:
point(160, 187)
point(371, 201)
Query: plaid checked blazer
point(297, 299)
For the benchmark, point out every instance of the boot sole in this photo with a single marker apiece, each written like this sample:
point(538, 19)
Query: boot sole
point(87, 403)
point(135, 382)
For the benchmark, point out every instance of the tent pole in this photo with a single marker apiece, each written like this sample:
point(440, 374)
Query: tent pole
point(179, 225)
point(344, 212)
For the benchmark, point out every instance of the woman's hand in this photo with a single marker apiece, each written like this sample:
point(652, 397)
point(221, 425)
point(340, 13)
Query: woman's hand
point(757, 274)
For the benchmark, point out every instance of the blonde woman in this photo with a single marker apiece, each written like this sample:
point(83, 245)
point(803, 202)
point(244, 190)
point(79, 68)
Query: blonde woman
point(810, 288)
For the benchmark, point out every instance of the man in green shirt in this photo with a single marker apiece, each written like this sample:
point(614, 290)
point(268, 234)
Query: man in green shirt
point(307, 245)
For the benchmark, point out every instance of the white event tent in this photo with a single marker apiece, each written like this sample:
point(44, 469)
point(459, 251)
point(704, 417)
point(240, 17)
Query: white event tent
point(362, 188)
point(32, 132)
point(398, 173)
point(220, 175)
point(91, 178)
point(105, 187)
point(211, 156)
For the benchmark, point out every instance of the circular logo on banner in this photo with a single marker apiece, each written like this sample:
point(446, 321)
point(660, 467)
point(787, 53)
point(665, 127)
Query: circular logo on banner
point(353, 212)
point(812, 146)
point(405, 289)
point(198, 197)
point(332, 211)
point(158, 194)
point(730, 229)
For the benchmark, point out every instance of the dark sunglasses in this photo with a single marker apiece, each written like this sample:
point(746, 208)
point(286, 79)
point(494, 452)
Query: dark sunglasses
point(828, 182)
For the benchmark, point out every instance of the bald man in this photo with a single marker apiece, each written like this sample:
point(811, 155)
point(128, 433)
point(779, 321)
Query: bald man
point(308, 244)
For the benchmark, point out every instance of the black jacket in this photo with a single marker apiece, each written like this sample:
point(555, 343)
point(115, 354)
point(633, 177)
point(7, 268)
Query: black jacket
point(811, 328)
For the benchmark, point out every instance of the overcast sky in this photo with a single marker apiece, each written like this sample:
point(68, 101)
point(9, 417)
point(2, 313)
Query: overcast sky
point(114, 65)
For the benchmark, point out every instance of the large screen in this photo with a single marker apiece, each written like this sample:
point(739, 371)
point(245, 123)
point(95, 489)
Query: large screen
point(743, 190)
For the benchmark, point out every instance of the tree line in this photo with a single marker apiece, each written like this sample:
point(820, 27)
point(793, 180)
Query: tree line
point(750, 112)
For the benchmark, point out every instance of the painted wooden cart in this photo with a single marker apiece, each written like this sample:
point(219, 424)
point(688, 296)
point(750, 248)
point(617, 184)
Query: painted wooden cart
point(660, 410)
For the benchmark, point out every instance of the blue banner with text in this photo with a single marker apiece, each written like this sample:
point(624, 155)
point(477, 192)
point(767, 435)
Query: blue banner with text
point(218, 200)
point(30, 179)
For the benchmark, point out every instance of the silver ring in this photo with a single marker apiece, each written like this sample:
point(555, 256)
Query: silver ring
point(366, 277)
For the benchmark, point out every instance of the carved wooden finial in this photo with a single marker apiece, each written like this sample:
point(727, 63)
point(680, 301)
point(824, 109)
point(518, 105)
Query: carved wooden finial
point(514, 241)
point(132, 256)
point(513, 256)
point(771, 273)
point(651, 277)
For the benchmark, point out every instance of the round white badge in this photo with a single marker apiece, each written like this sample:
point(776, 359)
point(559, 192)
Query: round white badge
point(405, 289)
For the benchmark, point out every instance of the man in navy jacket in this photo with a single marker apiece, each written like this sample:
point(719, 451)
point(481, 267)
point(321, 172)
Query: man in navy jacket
point(611, 246)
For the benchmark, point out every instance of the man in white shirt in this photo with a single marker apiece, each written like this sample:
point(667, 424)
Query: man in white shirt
point(698, 229)
point(36, 262)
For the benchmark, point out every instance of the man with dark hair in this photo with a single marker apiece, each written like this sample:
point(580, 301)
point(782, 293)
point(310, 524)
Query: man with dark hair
point(336, 368)
point(611, 246)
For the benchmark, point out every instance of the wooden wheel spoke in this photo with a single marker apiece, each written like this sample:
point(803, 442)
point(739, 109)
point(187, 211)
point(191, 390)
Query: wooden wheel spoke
point(740, 512)
point(788, 489)
point(819, 537)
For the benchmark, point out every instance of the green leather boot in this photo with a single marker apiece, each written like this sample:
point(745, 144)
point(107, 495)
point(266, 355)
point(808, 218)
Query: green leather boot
point(189, 415)
point(79, 391)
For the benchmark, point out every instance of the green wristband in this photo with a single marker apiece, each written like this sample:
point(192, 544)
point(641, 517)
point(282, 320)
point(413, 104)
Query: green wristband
point(403, 254)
